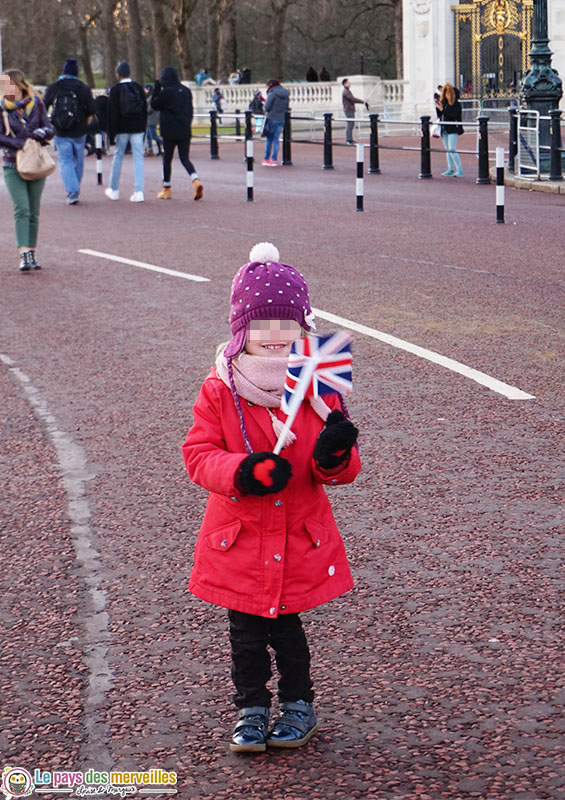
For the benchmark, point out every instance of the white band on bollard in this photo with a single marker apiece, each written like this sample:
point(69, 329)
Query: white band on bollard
point(249, 148)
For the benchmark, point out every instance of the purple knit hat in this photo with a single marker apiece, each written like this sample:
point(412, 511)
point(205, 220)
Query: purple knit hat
point(266, 289)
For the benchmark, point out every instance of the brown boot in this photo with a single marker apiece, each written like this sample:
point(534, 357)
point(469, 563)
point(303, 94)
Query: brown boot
point(198, 189)
point(165, 193)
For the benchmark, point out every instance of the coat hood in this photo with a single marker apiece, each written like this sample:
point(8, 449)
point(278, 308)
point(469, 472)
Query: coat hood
point(169, 75)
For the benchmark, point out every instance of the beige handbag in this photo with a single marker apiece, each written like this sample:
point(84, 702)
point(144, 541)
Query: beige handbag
point(32, 161)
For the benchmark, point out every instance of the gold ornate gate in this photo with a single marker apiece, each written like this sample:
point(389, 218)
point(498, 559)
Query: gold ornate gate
point(492, 42)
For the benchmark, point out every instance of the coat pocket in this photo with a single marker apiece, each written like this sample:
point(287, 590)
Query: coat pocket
point(319, 533)
point(223, 537)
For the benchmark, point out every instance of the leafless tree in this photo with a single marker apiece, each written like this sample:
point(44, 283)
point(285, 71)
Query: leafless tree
point(227, 39)
point(181, 23)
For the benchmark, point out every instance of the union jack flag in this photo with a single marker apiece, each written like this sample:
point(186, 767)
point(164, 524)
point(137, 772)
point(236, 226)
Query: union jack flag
point(326, 358)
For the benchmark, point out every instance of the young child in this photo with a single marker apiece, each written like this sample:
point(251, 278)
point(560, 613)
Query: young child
point(268, 547)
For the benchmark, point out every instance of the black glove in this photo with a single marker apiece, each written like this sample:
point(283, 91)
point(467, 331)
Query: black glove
point(367, 106)
point(263, 473)
point(334, 443)
point(39, 134)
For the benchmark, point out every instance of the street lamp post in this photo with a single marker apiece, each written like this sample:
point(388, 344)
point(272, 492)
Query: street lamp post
point(542, 88)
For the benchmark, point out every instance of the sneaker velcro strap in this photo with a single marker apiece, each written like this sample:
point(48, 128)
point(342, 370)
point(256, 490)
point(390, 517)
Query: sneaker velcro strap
point(289, 705)
point(250, 711)
point(293, 722)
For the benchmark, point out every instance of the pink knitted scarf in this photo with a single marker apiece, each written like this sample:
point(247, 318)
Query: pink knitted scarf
point(260, 379)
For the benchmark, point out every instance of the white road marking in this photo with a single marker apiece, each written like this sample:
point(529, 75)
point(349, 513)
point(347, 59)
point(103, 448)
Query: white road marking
point(143, 265)
point(505, 389)
point(511, 392)
point(96, 636)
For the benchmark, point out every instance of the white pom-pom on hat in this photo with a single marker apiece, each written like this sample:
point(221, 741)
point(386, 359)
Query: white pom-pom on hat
point(264, 252)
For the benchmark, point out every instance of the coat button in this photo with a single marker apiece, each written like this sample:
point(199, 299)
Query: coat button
point(272, 611)
point(278, 503)
point(249, 403)
point(318, 543)
point(224, 543)
point(333, 481)
point(283, 608)
point(235, 499)
point(331, 570)
point(277, 557)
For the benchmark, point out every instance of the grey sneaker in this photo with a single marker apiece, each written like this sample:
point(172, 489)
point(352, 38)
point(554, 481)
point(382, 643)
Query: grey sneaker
point(295, 726)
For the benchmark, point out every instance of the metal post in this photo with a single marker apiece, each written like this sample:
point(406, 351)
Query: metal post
point(249, 160)
point(237, 123)
point(513, 139)
point(425, 155)
point(248, 131)
point(556, 165)
point(500, 184)
point(374, 145)
point(483, 149)
point(287, 134)
point(98, 146)
point(213, 135)
point(359, 183)
point(328, 153)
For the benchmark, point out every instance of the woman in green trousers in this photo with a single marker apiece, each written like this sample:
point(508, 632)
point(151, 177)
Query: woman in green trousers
point(23, 116)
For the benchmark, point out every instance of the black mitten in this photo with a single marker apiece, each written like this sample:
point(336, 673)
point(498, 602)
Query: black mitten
point(263, 473)
point(335, 441)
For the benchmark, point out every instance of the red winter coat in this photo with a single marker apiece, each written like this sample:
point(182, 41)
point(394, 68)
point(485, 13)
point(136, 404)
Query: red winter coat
point(278, 554)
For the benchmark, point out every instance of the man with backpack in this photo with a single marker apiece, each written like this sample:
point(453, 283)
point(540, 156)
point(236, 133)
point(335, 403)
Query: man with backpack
point(127, 121)
point(71, 105)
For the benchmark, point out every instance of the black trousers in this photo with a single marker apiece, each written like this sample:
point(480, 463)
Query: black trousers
point(250, 637)
point(168, 153)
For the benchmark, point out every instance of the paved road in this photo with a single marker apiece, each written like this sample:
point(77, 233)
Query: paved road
point(440, 675)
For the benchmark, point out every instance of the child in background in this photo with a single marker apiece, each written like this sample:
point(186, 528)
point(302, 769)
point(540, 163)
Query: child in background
point(268, 547)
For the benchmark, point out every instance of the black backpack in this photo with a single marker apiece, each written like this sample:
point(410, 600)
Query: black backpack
point(131, 102)
point(66, 108)
point(256, 105)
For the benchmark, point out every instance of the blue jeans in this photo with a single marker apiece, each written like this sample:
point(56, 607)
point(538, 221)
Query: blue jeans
point(71, 162)
point(274, 128)
point(136, 140)
point(453, 159)
point(151, 136)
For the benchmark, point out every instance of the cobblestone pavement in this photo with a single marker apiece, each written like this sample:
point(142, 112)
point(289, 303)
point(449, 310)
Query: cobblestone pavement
point(441, 674)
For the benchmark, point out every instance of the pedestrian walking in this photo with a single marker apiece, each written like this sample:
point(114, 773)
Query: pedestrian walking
point(153, 119)
point(217, 98)
point(451, 112)
point(348, 100)
point(24, 116)
point(174, 101)
point(268, 547)
point(276, 107)
point(72, 104)
point(127, 122)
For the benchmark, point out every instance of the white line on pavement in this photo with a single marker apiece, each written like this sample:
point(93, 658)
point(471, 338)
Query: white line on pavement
point(96, 636)
point(143, 265)
point(511, 392)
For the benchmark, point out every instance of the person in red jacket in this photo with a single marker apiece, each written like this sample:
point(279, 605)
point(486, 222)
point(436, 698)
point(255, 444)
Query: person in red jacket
point(268, 547)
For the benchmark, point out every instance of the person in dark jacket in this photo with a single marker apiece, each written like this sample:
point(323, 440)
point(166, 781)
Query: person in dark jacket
point(23, 116)
point(276, 106)
point(311, 75)
point(127, 121)
point(174, 101)
point(451, 112)
point(348, 101)
point(324, 74)
point(72, 104)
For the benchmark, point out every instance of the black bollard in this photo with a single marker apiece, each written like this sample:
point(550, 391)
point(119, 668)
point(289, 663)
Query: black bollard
point(328, 153)
point(249, 163)
point(374, 145)
point(287, 134)
point(248, 131)
point(500, 184)
point(213, 135)
point(425, 155)
point(237, 123)
point(556, 164)
point(359, 183)
point(513, 139)
point(484, 176)
point(98, 145)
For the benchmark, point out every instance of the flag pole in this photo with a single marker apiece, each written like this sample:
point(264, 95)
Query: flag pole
point(296, 400)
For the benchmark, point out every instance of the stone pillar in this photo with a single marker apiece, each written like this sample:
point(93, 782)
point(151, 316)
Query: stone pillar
point(428, 48)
